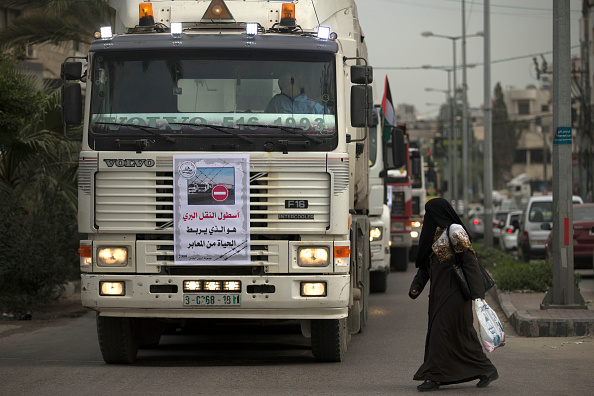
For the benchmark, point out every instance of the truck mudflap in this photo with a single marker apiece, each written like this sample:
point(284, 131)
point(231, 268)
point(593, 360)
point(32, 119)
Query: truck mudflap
point(259, 297)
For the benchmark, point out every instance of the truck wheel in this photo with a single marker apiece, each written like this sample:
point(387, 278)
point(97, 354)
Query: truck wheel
point(118, 339)
point(379, 281)
point(329, 338)
point(399, 259)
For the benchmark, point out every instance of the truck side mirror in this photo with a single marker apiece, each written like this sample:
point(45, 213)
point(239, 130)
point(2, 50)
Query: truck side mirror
point(398, 148)
point(361, 106)
point(415, 165)
point(71, 71)
point(361, 74)
point(71, 104)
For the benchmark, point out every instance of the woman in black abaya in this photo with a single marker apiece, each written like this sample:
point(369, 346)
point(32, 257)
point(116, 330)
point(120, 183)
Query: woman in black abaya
point(453, 352)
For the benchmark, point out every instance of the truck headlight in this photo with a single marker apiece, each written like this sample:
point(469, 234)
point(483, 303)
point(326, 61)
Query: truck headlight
point(375, 234)
point(112, 256)
point(112, 289)
point(313, 289)
point(312, 257)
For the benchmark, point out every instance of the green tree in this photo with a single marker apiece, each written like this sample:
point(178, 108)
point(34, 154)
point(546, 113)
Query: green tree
point(54, 21)
point(504, 141)
point(38, 236)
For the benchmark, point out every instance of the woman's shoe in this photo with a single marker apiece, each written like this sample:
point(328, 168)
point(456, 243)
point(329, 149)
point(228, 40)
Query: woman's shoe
point(428, 385)
point(485, 380)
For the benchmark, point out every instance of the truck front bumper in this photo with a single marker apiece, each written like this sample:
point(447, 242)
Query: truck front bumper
point(260, 297)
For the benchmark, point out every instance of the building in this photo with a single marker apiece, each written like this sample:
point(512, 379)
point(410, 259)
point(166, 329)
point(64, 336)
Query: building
point(43, 60)
point(530, 110)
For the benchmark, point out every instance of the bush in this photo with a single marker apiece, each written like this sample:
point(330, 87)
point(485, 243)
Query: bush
point(38, 253)
point(512, 274)
point(535, 276)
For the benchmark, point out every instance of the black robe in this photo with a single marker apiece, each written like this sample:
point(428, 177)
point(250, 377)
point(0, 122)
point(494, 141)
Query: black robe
point(453, 352)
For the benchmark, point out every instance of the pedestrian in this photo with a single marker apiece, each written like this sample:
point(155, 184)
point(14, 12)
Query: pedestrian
point(453, 352)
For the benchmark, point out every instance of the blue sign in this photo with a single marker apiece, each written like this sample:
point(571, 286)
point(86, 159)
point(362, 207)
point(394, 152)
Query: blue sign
point(563, 136)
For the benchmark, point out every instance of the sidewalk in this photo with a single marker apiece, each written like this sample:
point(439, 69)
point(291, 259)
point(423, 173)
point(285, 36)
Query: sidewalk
point(524, 314)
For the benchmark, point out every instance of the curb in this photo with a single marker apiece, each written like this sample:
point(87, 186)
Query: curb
point(527, 325)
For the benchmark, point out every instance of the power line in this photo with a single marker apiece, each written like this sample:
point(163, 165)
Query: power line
point(471, 64)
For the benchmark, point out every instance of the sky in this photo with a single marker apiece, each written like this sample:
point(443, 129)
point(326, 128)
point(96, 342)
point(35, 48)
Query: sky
point(520, 31)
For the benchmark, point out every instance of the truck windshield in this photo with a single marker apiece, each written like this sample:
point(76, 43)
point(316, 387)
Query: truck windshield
point(202, 97)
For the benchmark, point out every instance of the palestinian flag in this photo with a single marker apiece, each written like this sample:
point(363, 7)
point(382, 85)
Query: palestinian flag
point(388, 108)
point(388, 114)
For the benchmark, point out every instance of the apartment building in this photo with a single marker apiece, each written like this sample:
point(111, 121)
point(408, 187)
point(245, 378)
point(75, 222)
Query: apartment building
point(530, 110)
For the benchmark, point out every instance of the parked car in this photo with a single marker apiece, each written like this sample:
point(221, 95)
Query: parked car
point(508, 231)
point(583, 237)
point(535, 226)
point(476, 226)
point(498, 222)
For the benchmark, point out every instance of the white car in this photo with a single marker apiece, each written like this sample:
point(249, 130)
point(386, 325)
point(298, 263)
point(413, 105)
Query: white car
point(535, 225)
point(508, 231)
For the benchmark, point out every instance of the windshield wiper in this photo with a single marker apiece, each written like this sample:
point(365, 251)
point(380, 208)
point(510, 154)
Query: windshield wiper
point(151, 130)
point(294, 131)
point(225, 129)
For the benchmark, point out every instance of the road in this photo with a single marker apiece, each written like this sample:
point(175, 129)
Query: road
point(63, 357)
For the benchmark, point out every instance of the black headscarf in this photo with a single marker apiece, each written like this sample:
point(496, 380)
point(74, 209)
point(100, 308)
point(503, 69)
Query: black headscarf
point(438, 213)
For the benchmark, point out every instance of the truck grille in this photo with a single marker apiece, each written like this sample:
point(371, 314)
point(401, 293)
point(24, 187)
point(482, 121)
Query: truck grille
point(416, 205)
point(398, 203)
point(142, 201)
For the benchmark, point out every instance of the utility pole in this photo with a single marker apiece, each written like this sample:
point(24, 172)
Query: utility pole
point(564, 293)
point(488, 146)
point(465, 134)
point(585, 134)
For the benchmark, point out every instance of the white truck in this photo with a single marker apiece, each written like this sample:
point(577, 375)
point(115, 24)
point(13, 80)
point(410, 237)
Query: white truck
point(269, 101)
point(383, 156)
point(419, 197)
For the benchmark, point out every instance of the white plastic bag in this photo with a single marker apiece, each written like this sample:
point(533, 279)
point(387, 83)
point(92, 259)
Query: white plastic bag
point(491, 330)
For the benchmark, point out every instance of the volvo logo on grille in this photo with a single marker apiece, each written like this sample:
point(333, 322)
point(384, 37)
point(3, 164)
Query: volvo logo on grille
point(129, 163)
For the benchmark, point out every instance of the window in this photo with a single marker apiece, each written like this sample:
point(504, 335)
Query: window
point(520, 156)
point(7, 16)
point(536, 156)
point(205, 95)
point(523, 107)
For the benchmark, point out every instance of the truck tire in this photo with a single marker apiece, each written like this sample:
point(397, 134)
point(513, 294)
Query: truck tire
point(329, 339)
point(379, 281)
point(119, 339)
point(399, 259)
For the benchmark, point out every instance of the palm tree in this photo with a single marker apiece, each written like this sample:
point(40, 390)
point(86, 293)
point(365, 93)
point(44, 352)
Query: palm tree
point(54, 21)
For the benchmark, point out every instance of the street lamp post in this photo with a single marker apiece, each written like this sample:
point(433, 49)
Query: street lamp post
point(464, 120)
point(449, 133)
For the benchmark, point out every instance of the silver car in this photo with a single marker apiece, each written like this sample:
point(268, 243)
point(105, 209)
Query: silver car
point(508, 231)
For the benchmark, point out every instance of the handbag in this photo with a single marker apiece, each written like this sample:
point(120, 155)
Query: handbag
point(458, 272)
point(488, 281)
point(490, 328)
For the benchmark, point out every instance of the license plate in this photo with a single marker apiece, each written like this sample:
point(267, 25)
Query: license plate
point(212, 300)
point(539, 243)
point(397, 238)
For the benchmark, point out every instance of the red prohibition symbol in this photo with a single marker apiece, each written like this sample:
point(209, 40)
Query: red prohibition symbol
point(220, 193)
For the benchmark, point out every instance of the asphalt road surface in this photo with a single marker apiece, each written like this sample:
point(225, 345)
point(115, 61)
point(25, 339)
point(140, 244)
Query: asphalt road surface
point(62, 357)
